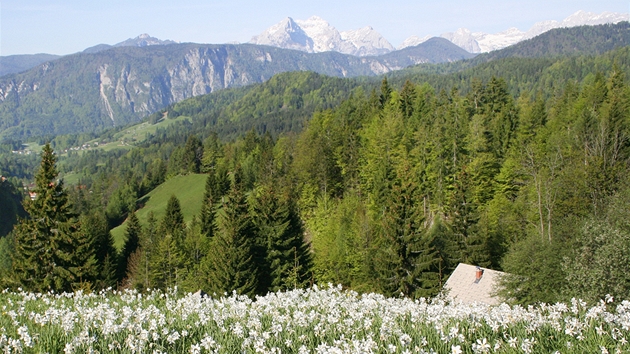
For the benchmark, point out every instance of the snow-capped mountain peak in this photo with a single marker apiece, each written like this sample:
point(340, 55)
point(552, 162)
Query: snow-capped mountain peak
point(367, 41)
point(325, 37)
point(285, 34)
point(464, 39)
point(320, 36)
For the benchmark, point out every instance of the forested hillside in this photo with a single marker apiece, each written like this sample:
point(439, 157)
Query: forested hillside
point(518, 165)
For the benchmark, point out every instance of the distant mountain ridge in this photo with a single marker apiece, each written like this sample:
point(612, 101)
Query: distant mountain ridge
point(143, 40)
point(87, 92)
point(13, 64)
point(17, 63)
point(316, 35)
point(480, 42)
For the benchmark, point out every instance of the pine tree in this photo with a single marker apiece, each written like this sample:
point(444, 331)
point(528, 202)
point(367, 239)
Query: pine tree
point(195, 247)
point(192, 155)
point(167, 263)
point(230, 264)
point(386, 92)
point(51, 252)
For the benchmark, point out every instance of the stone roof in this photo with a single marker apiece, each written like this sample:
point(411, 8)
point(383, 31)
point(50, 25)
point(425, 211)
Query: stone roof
point(463, 285)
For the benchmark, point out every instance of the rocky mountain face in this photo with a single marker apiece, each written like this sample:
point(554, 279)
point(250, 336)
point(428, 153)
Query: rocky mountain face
point(479, 42)
point(316, 35)
point(91, 91)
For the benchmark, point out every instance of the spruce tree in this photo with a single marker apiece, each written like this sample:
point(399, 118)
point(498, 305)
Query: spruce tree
point(286, 260)
point(96, 227)
point(215, 188)
point(168, 258)
point(140, 269)
point(51, 252)
point(407, 258)
point(132, 241)
point(173, 221)
point(230, 263)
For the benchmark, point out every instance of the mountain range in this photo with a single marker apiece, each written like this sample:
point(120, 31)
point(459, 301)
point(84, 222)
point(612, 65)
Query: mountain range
point(480, 42)
point(104, 87)
point(317, 35)
point(113, 87)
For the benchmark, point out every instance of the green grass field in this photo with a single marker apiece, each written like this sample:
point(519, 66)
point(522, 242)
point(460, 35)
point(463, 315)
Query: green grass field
point(188, 189)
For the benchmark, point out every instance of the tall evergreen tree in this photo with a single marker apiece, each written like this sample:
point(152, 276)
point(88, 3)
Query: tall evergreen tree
point(132, 242)
point(407, 257)
point(230, 263)
point(168, 257)
point(140, 268)
point(173, 221)
point(192, 155)
point(51, 252)
point(95, 225)
point(215, 188)
point(286, 260)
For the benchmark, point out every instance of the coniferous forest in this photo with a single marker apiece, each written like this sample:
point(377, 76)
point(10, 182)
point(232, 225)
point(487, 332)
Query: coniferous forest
point(378, 185)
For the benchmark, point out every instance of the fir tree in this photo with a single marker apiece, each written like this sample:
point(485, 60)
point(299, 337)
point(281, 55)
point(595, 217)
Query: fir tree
point(140, 270)
point(167, 263)
point(51, 252)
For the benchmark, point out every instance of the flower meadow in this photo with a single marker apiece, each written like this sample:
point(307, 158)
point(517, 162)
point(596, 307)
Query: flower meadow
point(328, 320)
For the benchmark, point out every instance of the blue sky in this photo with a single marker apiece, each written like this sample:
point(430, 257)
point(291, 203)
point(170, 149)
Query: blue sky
point(68, 26)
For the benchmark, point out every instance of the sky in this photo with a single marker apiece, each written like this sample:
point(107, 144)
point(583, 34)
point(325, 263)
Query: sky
point(69, 26)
